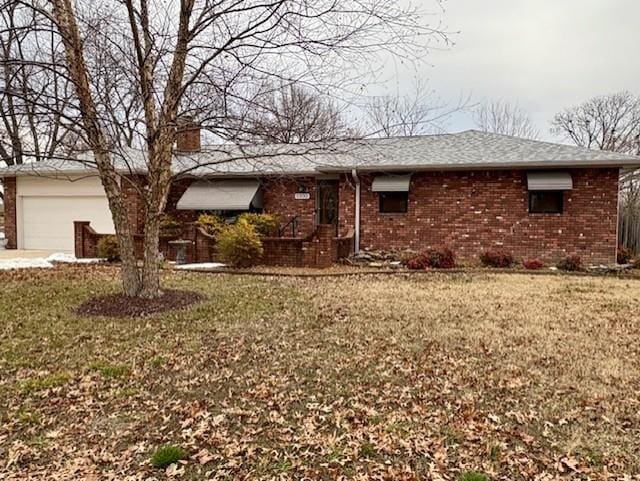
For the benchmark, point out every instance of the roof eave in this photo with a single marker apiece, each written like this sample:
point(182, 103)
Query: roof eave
point(627, 163)
point(64, 172)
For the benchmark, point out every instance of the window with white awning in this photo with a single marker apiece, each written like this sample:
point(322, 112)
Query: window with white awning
point(546, 191)
point(391, 183)
point(549, 181)
point(222, 195)
point(393, 192)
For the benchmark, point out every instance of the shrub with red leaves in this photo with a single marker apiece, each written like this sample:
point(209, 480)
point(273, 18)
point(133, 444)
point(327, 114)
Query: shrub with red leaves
point(571, 264)
point(441, 258)
point(496, 259)
point(418, 262)
point(533, 264)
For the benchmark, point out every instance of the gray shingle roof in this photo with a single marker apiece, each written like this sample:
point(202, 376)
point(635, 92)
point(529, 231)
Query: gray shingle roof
point(465, 150)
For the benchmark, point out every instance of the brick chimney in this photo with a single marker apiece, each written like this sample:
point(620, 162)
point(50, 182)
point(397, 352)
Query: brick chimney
point(187, 135)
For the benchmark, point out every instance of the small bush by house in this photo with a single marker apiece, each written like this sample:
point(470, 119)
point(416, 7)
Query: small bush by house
point(570, 264)
point(107, 248)
point(212, 224)
point(240, 245)
point(496, 259)
point(169, 226)
point(441, 258)
point(265, 224)
point(417, 262)
point(533, 264)
point(625, 255)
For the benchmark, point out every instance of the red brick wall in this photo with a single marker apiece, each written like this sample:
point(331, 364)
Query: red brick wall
point(475, 211)
point(175, 194)
point(279, 199)
point(468, 211)
point(131, 187)
point(10, 227)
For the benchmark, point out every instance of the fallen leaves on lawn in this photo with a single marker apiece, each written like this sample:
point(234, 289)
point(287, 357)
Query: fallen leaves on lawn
point(357, 378)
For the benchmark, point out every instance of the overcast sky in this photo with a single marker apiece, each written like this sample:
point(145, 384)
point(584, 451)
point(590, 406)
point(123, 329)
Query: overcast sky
point(543, 54)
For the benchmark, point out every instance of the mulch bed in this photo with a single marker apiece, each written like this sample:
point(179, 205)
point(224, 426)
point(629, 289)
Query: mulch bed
point(119, 305)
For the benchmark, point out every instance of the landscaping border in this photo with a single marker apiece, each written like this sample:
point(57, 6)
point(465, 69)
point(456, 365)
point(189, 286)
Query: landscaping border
point(407, 272)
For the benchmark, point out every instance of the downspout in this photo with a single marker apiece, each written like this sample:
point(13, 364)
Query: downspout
point(356, 247)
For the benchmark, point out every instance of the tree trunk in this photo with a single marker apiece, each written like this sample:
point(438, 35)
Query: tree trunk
point(130, 274)
point(131, 282)
point(157, 193)
point(150, 287)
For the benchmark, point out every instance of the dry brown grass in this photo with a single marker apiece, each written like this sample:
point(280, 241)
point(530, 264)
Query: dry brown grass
point(387, 377)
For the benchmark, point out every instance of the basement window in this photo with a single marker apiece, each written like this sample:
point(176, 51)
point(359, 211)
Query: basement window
point(394, 202)
point(546, 202)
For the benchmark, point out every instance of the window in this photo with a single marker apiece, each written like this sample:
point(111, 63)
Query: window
point(550, 202)
point(394, 202)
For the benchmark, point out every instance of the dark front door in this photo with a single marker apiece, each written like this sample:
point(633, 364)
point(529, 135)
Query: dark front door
point(328, 202)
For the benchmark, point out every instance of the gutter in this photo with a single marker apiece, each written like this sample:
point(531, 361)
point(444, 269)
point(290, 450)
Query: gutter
point(356, 179)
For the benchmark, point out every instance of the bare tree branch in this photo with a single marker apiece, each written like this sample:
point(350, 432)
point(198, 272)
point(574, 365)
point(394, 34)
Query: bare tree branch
point(505, 118)
point(608, 122)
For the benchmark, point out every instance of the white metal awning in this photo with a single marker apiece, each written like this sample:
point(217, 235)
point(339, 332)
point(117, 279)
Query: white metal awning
point(391, 183)
point(238, 194)
point(556, 180)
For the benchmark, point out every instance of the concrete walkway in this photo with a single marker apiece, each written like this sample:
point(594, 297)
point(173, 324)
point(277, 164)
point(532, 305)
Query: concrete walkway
point(24, 254)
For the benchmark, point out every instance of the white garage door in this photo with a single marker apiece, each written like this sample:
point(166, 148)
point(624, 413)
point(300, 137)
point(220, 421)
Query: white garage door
point(47, 209)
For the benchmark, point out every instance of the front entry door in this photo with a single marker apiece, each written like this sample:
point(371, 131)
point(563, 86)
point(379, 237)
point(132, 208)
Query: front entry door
point(327, 203)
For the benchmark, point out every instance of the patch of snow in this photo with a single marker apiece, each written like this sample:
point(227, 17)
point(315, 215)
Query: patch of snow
point(63, 258)
point(202, 265)
point(37, 263)
point(42, 263)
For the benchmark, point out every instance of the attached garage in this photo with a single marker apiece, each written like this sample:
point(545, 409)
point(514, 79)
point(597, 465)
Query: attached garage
point(47, 207)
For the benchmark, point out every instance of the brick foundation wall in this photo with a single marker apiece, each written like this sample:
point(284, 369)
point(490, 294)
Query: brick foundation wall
point(10, 221)
point(475, 211)
point(320, 249)
point(202, 248)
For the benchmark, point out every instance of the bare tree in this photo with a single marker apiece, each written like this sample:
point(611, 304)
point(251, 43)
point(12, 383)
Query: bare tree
point(502, 117)
point(26, 132)
point(169, 52)
point(292, 114)
point(418, 112)
point(608, 122)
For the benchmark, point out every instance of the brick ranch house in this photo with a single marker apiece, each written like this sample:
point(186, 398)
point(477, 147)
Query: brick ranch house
point(471, 191)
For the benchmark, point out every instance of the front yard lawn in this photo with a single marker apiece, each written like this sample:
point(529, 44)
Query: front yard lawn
point(380, 377)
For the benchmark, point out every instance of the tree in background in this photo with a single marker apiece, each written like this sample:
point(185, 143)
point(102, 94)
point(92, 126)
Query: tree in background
point(29, 91)
point(198, 59)
point(502, 117)
point(607, 122)
point(417, 113)
point(292, 114)
point(610, 122)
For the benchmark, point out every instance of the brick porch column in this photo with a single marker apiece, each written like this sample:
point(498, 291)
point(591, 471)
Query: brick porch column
point(78, 237)
point(324, 254)
point(10, 221)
